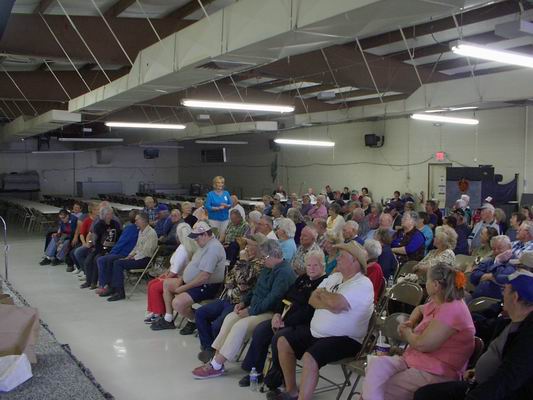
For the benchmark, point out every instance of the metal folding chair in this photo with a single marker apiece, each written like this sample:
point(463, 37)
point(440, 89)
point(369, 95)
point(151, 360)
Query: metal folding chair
point(142, 271)
point(482, 304)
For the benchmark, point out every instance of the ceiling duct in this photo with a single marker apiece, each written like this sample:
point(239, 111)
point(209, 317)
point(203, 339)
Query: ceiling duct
point(251, 33)
point(515, 29)
point(24, 126)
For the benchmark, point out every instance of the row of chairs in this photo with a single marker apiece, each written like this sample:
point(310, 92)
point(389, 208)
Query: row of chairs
point(29, 218)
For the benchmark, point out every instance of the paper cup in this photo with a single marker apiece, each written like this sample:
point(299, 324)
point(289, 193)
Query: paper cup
point(383, 349)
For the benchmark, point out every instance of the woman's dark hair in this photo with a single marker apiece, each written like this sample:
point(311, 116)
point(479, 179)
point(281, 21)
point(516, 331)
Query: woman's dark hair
point(335, 207)
point(424, 216)
point(451, 221)
point(519, 217)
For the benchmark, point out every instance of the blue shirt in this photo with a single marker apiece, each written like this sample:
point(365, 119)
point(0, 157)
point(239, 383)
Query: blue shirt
point(162, 226)
point(289, 249)
point(126, 241)
point(215, 200)
point(490, 288)
point(462, 239)
point(387, 261)
point(428, 235)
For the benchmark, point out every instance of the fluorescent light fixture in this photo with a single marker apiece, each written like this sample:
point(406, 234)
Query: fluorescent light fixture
point(224, 105)
point(144, 125)
point(463, 108)
point(316, 143)
point(442, 118)
point(435, 111)
point(73, 139)
point(164, 146)
point(57, 152)
point(220, 142)
point(485, 53)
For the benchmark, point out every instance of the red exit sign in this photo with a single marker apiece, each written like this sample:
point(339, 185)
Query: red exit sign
point(440, 156)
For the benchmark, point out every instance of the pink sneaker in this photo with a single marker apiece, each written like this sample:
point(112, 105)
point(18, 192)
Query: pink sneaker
point(99, 291)
point(207, 371)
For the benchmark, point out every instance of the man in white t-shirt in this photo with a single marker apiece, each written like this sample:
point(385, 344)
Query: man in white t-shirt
point(201, 280)
point(343, 304)
point(236, 206)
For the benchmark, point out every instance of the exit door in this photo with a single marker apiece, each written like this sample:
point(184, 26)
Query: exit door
point(437, 183)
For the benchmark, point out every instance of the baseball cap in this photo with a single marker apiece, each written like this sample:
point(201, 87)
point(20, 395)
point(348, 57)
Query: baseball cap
point(162, 207)
point(199, 229)
point(522, 283)
point(356, 250)
point(525, 260)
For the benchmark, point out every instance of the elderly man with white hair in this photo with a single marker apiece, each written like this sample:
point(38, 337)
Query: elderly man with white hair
point(358, 215)
point(285, 232)
point(489, 276)
point(343, 306)
point(253, 218)
point(350, 232)
point(385, 222)
point(487, 219)
point(264, 226)
point(307, 243)
point(319, 209)
point(374, 272)
point(524, 242)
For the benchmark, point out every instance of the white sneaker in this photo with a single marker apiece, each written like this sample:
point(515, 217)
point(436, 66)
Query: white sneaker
point(76, 271)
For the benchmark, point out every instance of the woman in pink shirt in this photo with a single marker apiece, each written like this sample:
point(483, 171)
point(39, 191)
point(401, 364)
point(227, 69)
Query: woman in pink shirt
point(440, 335)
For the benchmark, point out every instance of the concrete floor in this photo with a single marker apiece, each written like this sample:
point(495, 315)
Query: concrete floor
point(128, 359)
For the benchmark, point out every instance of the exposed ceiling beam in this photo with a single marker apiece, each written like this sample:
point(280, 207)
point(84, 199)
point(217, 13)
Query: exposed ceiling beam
point(43, 6)
point(118, 8)
point(27, 35)
point(187, 9)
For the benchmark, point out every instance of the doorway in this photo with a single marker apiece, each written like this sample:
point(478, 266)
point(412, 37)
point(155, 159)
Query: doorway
point(437, 183)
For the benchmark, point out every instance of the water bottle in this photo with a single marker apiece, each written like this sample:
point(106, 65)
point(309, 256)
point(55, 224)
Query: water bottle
point(390, 282)
point(254, 380)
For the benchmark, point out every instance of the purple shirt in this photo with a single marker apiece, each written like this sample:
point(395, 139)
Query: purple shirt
point(318, 212)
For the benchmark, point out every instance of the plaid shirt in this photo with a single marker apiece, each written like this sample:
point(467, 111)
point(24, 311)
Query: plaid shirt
point(152, 213)
point(298, 262)
point(235, 231)
point(241, 279)
point(519, 247)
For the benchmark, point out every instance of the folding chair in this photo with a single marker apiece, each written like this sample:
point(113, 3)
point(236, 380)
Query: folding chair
point(482, 304)
point(142, 271)
point(404, 269)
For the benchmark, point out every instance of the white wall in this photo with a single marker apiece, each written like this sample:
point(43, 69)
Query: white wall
point(401, 164)
point(58, 172)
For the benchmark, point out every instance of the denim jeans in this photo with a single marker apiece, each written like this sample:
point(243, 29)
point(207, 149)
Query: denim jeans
point(209, 319)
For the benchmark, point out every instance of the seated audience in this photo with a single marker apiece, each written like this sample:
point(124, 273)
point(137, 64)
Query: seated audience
point(343, 305)
point(487, 220)
point(358, 215)
point(524, 239)
point(319, 209)
point(335, 221)
point(238, 282)
point(331, 252)
point(345, 194)
point(321, 227)
point(307, 244)
point(138, 257)
point(125, 244)
point(257, 306)
point(350, 232)
point(526, 212)
point(484, 250)
point(515, 222)
point(462, 232)
point(306, 205)
point(277, 214)
point(385, 222)
point(150, 209)
point(373, 216)
point(424, 227)
point(296, 216)
point(105, 234)
point(387, 259)
point(179, 260)
point(76, 257)
point(293, 202)
point(199, 208)
point(236, 228)
point(501, 220)
point(440, 337)
point(264, 226)
point(365, 204)
point(311, 195)
point(186, 214)
point(431, 207)
point(504, 371)
point(350, 207)
point(162, 222)
point(168, 242)
point(236, 206)
point(329, 193)
point(408, 243)
point(489, 276)
point(444, 243)
point(373, 269)
point(201, 280)
point(267, 200)
point(285, 233)
point(294, 310)
point(77, 211)
point(59, 243)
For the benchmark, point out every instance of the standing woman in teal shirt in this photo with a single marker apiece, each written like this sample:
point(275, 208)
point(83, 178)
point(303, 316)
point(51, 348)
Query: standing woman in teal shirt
point(217, 204)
